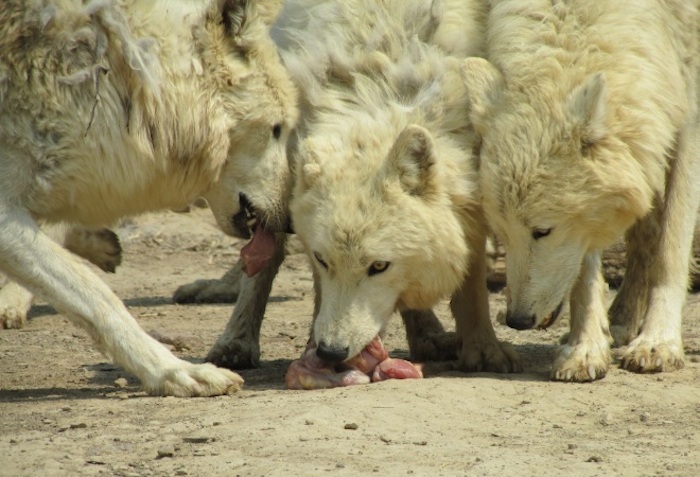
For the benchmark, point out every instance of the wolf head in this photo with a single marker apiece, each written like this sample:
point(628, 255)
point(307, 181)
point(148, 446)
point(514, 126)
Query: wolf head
point(557, 182)
point(259, 102)
point(376, 212)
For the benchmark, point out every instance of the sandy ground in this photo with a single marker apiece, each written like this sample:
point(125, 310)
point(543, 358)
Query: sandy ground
point(61, 412)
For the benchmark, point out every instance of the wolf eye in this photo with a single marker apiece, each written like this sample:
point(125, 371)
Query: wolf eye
point(320, 260)
point(539, 233)
point(277, 131)
point(377, 267)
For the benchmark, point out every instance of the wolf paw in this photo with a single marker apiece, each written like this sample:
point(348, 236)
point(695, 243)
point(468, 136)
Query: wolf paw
point(434, 347)
point(622, 335)
point(206, 291)
point(15, 303)
point(644, 356)
point(493, 356)
point(580, 363)
point(235, 353)
point(12, 318)
point(190, 380)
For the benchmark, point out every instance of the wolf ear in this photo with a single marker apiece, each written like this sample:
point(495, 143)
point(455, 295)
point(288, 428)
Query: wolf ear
point(587, 105)
point(412, 157)
point(235, 15)
point(484, 86)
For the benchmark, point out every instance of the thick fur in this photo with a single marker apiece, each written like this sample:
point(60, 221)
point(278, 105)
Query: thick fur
point(386, 199)
point(113, 108)
point(588, 113)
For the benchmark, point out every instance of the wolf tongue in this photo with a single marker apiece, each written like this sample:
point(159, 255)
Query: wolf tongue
point(258, 252)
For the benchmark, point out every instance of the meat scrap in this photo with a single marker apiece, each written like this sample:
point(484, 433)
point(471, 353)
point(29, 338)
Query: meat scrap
point(373, 364)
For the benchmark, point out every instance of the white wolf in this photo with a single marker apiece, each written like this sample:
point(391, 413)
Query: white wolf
point(385, 200)
point(588, 113)
point(112, 108)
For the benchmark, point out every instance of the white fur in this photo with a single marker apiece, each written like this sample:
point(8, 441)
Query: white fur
point(589, 117)
point(118, 107)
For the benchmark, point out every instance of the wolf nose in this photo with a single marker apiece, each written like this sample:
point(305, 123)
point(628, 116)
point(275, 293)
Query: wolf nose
point(520, 322)
point(331, 354)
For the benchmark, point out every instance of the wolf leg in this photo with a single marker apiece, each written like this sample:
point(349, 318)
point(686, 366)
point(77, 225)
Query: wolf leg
point(219, 290)
point(427, 338)
point(586, 354)
point(44, 267)
point(238, 347)
point(659, 346)
point(480, 350)
point(630, 304)
point(100, 247)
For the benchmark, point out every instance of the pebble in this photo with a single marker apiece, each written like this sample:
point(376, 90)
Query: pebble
point(607, 419)
point(197, 439)
point(351, 425)
point(644, 417)
point(80, 425)
point(121, 383)
point(594, 458)
point(165, 451)
point(385, 439)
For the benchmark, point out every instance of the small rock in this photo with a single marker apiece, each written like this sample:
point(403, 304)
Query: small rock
point(644, 417)
point(351, 425)
point(594, 458)
point(180, 472)
point(197, 439)
point(660, 378)
point(309, 422)
point(165, 451)
point(66, 409)
point(13, 441)
point(385, 439)
point(571, 446)
point(121, 383)
point(607, 419)
point(81, 425)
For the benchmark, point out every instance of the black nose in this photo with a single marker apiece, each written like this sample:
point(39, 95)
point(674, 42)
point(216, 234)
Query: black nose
point(520, 322)
point(331, 354)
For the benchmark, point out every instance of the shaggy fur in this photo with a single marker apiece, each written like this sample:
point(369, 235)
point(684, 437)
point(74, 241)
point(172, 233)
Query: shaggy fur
point(588, 114)
point(385, 200)
point(113, 108)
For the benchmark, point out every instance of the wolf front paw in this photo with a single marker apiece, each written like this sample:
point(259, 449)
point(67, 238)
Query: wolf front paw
point(237, 353)
point(623, 335)
point(441, 346)
point(646, 356)
point(581, 363)
point(195, 380)
point(492, 356)
point(12, 317)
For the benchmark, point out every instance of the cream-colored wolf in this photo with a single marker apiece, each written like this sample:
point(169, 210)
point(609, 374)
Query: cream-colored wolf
point(113, 108)
point(588, 113)
point(386, 199)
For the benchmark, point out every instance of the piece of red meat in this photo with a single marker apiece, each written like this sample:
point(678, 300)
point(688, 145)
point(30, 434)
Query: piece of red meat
point(372, 364)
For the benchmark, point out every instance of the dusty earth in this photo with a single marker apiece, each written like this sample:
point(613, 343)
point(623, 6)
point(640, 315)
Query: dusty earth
point(61, 412)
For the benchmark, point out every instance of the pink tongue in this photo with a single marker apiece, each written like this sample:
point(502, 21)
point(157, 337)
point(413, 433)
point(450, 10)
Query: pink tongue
point(259, 251)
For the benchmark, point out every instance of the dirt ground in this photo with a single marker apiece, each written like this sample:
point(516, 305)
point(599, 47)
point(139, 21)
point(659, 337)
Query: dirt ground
point(61, 412)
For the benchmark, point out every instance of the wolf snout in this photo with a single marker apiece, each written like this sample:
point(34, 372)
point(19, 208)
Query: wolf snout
point(519, 321)
point(331, 354)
